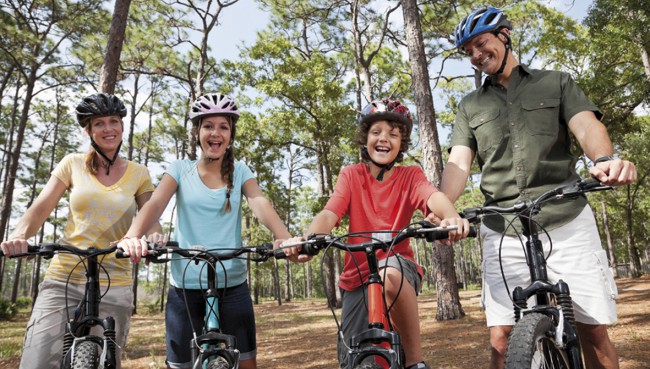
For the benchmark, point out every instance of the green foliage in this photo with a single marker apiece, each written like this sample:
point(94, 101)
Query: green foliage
point(7, 309)
point(23, 302)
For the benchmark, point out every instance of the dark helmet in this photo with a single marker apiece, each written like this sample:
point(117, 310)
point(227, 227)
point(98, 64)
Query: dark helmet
point(99, 105)
point(213, 104)
point(480, 21)
point(387, 109)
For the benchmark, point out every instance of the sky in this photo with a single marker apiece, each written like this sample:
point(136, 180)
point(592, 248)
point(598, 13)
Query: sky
point(244, 11)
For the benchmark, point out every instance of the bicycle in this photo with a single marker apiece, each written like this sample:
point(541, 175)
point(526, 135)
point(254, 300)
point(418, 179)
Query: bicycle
point(81, 350)
point(380, 341)
point(546, 335)
point(212, 349)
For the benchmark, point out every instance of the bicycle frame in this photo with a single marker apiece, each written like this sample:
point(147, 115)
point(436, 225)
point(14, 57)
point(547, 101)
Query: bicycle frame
point(542, 289)
point(385, 342)
point(87, 316)
point(560, 310)
point(212, 343)
point(379, 340)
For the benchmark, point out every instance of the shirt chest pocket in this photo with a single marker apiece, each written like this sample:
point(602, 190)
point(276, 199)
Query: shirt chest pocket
point(541, 116)
point(487, 130)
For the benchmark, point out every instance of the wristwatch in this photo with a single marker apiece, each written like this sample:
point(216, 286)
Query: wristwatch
point(603, 158)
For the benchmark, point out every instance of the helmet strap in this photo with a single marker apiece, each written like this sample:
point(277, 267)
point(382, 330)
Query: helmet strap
point(505, 57)
point(109, 162)
point(384, 168)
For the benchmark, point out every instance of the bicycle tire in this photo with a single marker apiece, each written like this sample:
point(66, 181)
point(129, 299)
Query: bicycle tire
point(532, 345)
point(86, 356)
point(218, 363)
point(369, 365)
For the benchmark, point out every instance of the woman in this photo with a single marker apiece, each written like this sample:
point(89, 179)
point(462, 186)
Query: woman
point(208, 198)
point(105, 191)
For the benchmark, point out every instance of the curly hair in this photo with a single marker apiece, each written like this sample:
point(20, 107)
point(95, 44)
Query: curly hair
point(362, 139)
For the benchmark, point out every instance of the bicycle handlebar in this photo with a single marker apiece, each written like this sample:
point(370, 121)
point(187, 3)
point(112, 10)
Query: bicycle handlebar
point(47, 250)
point(582, 186)
point(162, 254)
point(315, 243)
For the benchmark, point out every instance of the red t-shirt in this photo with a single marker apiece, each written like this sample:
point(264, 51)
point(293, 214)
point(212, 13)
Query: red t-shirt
point(372, 205)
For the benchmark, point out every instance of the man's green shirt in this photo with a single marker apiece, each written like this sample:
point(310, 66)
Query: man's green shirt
point(520, 136)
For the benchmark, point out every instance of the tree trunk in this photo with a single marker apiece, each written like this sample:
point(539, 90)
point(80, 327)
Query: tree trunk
point(116, 34)
point(608, 238)
point(635, 263)
point(287, 280)
point(449, 306)
point(276, 282)
point(7, 199)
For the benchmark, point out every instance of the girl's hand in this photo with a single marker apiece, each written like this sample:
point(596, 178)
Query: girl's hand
point(293, 253)
point(134, 247)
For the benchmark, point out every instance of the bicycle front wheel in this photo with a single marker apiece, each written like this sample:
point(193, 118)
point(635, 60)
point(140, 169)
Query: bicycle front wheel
point(86, 356)
point(532, 345)
point(218, 363)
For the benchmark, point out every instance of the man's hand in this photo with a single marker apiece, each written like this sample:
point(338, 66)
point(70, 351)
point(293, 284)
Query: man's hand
point(615, 172)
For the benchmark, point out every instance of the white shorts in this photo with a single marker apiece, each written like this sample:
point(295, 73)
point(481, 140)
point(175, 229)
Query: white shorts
point(576, 257)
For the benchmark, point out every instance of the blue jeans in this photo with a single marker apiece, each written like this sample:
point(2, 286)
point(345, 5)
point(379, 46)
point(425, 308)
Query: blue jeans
point(237, 318)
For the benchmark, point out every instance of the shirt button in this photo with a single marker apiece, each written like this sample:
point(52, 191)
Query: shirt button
point(516, 146)
point(512, 123)
point(541, 104)
point(509, 102)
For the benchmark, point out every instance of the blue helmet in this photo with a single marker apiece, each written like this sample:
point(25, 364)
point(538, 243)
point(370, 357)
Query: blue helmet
point(480, 21)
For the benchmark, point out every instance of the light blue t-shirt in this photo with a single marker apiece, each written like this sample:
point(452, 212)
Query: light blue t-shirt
point(200, 222)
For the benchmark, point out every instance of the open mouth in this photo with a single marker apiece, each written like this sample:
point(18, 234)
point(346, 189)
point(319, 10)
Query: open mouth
point(215, 145)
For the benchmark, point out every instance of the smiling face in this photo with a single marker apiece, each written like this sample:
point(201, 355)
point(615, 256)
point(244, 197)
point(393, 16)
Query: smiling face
point(486, 51)
point(106, 132)
point(383, 142)
point(215, 135)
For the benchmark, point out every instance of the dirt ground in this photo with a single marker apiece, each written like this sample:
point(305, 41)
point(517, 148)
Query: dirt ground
point(303, 334)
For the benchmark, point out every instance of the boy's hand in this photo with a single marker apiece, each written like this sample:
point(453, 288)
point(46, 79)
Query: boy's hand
point(456, 235)
point(433, 219)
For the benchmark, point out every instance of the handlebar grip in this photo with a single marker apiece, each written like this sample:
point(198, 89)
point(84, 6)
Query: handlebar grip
point(430, 237)
point(119, 253)
point(279, 254)
point(30, 250)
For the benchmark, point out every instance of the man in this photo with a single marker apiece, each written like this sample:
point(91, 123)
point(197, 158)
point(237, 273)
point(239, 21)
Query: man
point(517, 124)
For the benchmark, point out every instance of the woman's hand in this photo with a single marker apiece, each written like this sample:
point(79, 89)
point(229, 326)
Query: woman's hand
point(15, 246)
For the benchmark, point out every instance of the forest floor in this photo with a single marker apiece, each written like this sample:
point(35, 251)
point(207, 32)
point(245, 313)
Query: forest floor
point(303, 334)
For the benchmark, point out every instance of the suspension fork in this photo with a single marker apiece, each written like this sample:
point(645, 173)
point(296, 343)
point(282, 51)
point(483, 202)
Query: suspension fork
point(86, 316)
